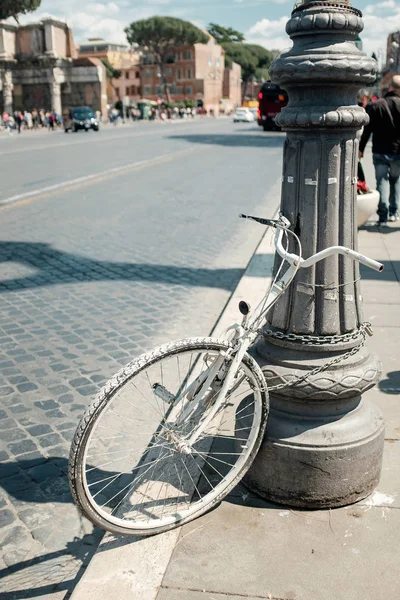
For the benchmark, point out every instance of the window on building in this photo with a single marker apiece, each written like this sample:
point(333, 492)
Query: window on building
point(127, 75)
point(168, 72)
point(178, 89)
point(189, 74)
point(189, 89)
point(218, 62)
point(147, 89)
point(147, 74)
point(188, 55)
point(178, 56)
point(210, 61)
point(137, 74)
point(179, 74)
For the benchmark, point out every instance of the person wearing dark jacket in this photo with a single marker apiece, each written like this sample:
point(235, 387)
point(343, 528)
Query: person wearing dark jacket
point(384, 125)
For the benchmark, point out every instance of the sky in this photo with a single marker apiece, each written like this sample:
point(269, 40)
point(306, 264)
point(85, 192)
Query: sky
point(262, 21)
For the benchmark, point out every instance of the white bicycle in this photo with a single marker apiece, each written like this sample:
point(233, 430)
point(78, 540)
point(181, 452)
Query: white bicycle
point(177, 428)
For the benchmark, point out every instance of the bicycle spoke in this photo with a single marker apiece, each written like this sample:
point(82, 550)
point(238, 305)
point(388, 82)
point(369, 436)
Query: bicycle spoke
point(139, 473)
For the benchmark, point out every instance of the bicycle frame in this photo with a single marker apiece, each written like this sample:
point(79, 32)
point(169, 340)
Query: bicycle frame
point(242, 336)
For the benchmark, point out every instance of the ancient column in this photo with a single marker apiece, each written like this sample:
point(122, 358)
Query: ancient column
point(8, 87)
point(57, 78)
point(324, 441)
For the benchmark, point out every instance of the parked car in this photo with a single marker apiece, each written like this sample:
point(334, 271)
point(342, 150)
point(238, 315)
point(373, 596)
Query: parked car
point(272, 99)
point(80, 117)
point(243, 115)
point(255, 112)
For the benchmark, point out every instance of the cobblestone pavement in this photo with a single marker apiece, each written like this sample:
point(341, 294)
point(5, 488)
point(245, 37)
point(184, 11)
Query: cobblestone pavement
point(91, 276)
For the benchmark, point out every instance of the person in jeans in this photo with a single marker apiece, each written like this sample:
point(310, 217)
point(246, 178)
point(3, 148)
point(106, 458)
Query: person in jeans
point(384, 124)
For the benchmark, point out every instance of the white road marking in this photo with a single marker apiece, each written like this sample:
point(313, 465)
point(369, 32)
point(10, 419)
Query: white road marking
point(99, 175)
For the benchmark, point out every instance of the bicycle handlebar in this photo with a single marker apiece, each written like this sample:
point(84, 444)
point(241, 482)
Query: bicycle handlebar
point(282, 224)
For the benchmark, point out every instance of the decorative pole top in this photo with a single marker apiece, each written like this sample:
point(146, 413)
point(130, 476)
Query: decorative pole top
point(324, 56)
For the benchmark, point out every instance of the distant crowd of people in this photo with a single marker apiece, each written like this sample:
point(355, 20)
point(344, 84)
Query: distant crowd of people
point(28, 120)
point(153, 113)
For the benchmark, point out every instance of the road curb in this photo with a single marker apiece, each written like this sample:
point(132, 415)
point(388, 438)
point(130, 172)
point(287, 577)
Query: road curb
point(134, 568)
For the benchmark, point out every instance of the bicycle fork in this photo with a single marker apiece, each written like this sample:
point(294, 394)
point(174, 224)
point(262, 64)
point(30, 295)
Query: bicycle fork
point(221, 395)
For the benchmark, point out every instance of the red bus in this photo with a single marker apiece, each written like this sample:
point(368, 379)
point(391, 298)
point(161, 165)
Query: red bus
point(271, 100)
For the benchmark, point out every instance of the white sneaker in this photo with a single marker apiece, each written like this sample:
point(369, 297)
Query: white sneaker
point(394, 217)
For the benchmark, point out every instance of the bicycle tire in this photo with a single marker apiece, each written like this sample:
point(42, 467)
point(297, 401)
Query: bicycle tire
point(139, 367)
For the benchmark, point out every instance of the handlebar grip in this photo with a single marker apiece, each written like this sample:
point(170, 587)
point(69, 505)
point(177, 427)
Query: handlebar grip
point(372, 264)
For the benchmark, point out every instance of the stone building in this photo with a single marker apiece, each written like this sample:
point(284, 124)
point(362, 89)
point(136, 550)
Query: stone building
point(232, 87)
point(39, 68)
point(392, 66)
point(194, 73)
point(393, 52)
point(121, 57)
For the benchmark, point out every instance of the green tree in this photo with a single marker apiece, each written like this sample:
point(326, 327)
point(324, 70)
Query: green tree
point(13, 8)
point(160, 36)
point(253, 59)
point(224, 35)
point(111, 74)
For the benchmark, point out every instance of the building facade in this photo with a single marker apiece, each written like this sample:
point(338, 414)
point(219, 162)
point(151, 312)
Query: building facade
point(194, 73)
point(39, 69)
point(393, 52)
point(232, 88)
point(392, 66)
point(122, 58)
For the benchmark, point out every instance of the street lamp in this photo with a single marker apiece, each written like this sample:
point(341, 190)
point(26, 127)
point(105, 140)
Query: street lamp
point(324, 441)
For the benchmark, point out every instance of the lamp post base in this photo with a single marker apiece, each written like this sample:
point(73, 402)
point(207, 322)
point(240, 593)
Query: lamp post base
point(322, 449)
point(307, 471)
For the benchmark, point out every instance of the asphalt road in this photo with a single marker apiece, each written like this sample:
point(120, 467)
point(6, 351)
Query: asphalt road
point(110, 243)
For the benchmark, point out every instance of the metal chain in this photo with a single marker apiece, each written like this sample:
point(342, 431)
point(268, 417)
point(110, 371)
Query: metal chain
point(312, 340)
point(363, 330)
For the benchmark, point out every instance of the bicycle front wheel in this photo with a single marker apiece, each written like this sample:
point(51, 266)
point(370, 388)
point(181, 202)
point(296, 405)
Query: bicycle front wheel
point(131, 471)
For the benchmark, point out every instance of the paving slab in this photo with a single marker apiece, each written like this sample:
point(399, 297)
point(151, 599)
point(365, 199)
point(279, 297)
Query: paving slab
point(177, 594)
point(272, 552)
point(388, 402)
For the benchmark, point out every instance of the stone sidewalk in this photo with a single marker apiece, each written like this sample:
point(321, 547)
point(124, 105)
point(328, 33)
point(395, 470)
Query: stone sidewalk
point(249, 548)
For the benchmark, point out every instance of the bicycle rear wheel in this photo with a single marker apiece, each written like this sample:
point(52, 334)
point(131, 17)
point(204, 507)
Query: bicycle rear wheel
point(130, 472)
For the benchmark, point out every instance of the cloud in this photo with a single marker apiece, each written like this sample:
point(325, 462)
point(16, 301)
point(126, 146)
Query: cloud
point(379, 20)
point(100, 18)
point(371, 9)
point(259, 2)
point(109, 9)
point(270, 33)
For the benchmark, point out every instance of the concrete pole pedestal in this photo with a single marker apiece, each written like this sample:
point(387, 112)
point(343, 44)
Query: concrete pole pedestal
point(324, 442)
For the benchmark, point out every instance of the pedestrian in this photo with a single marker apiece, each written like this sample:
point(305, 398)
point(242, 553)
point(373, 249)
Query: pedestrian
point(10, 124)
point(35, 118)
point(18, 118)
point(384, 125)
point(114, 116)
point(5, 118)
point(52, 121)
point(28, 119)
